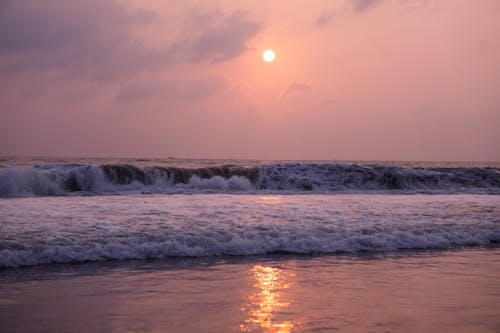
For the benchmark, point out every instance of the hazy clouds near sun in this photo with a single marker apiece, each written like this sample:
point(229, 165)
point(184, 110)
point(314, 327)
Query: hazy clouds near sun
point(358, 79)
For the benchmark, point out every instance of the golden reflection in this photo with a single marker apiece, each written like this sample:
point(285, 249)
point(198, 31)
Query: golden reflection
point(267, 301)
point(270, 199)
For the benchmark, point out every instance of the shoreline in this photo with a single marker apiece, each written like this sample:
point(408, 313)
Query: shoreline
point(452, 290)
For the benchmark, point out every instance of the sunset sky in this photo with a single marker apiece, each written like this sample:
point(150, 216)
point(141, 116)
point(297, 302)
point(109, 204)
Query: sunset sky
point(352, 79)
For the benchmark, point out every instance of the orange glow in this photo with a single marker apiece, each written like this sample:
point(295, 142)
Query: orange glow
point(270, 200)
point(264, 304)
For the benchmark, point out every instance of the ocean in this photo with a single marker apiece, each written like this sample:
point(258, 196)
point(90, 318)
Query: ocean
point(178, 245)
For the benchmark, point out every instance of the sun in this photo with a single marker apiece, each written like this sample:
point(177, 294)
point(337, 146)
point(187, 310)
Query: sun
point(268, 55)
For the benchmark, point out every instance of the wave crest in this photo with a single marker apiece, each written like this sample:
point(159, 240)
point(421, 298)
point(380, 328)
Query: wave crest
point(48, 180)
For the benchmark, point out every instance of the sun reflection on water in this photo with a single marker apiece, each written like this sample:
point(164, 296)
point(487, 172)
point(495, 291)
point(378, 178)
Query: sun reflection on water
point(264, 305)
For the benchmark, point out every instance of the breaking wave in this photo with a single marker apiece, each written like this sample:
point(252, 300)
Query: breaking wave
point(253, 241)
point(65, 179)
point(64, 230)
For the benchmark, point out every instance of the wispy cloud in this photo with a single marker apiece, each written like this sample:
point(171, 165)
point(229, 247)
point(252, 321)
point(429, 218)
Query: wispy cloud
point(296, 87)
point(324, 18)
point(221, 37)
point(362, 5)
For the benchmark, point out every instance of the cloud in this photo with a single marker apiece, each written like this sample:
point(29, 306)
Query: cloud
point(362, 5)
point(82, 38)
point(30, 25)
point(96, 38)
point(324, 18)
point(221, 37)
point(296, 87)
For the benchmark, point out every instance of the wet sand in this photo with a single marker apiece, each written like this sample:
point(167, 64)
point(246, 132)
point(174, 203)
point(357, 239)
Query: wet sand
point(450, 291)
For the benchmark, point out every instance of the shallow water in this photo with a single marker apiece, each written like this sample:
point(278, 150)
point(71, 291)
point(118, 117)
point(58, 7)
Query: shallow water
point(48, 230)
point(451, 291)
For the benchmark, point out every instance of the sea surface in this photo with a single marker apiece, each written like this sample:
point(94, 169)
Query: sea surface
point(176, 245)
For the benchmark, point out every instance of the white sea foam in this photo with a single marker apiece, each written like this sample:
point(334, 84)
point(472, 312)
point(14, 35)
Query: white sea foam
point(66, 229)
point(234, 183)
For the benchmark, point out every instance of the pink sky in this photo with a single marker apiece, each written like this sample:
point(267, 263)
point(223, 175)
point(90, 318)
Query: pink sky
point(358, 79)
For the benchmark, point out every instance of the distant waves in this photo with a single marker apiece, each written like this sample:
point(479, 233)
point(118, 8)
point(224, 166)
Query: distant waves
point(71, 179)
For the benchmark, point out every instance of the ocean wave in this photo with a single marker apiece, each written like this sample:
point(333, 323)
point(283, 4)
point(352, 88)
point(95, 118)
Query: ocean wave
point(250, 242)
point(66, 179)
point(95, 228)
